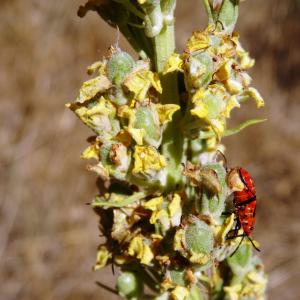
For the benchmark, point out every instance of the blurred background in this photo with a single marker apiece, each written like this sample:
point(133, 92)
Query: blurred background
point(48, 236)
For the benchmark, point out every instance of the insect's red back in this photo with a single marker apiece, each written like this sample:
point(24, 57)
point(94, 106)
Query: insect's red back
point(249, 191)
point(246, 213)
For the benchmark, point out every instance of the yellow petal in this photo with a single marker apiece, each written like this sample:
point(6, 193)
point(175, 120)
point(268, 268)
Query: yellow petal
point(155, 81)
point(179, 293)
point(166, 111)
point(147, 158)
point(137, 134)
point(224, 71)
point(140, 81)
point(97, 66)
point(92, 87)
point(162, 216)
point(231, 103)
point(175, 210)
point(92, 151)
point(199, 95)
point(256, 96)
point(233, 291)
point(200, 110)
point(233, 86)
point(198, 41)
point(103, 255)
point(174, 63)
point(154, 203)
point(140, 250)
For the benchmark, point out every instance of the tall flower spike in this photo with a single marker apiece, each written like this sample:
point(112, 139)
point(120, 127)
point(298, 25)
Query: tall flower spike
point(158, 123)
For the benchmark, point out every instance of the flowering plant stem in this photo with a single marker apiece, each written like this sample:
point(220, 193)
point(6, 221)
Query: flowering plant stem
point(173, 142)
point(164, 202)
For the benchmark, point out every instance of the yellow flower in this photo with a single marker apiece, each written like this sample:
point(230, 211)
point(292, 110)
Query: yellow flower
point(103, 255)
point(140, 81)
point(174, 63)
point(166, 111)
point(175, 210)
point(233, 291)
point(199, 40)
point(92, 151)
point(179, 293)
point(147, 158)
point(256, 96)
point(231, 103)
point(154, 203)
point(139, 248)
point(92, 87)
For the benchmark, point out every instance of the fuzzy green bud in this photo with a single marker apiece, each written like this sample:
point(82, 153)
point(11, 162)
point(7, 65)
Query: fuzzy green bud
point(130, 286)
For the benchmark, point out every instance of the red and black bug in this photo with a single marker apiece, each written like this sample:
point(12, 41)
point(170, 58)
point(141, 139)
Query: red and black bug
point(244, 202)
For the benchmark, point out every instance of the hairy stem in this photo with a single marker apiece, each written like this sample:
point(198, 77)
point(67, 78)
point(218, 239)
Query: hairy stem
point(173, 142)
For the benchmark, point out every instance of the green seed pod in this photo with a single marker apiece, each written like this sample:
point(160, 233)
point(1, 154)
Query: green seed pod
point(119, 66)
point(147, 118)
point(214, 204)
point(129, 286)
point(200, 70)
point(228, 14)
point(115, 159)
point(198, 237)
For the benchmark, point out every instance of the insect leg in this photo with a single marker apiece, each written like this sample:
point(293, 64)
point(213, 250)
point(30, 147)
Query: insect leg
point(243, 236)
point(255, 247)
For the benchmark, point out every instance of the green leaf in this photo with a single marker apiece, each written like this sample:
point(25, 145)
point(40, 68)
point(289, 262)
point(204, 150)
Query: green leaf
point(127, 201)
point(242, 126)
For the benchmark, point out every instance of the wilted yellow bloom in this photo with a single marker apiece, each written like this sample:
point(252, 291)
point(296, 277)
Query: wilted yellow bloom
point(140, 81)
point(199, 258)
point(256, 96)
point(97, 66)
point(224, 71)
point(166, 111)
point(233, 291)
point(103, 255)
point(221, 231)
point(140, 250)
point(199, 40)
point(154, 203)
point(92, 87)
point(147, 158)
point(233, 86)
point(100, 170)
point(174, 63)
point(231, 103)
point(92, 151)
point(179, 293)
point(200, 110)
point(162, 216)
point(175, 210)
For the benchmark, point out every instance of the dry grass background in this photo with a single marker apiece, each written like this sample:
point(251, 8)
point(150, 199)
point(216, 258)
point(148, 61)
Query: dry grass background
point(48, 237)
